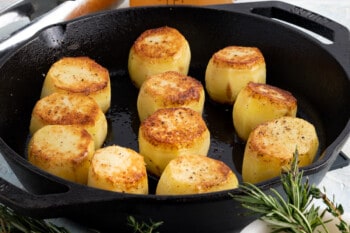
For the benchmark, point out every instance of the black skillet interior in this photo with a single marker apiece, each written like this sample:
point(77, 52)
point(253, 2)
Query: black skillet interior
point(295, 62)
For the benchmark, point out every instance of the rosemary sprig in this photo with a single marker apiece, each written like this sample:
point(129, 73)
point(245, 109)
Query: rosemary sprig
point(295, 213)
point(143, 227)
point(13, 222)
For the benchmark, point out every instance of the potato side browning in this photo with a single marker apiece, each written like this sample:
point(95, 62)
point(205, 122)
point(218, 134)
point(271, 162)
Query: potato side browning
point(79, 75)
point(171, 132)
point(191, 174)
point(230, 69)
point(70, 109)
point(257, 103)
point(271, 146)
point(62, 150)
point(156, 51)
point(169, 89)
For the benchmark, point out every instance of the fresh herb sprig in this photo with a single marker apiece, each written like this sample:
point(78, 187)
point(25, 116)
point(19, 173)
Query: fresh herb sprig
point(143, 227)
point(296, 213)
point(12, 222)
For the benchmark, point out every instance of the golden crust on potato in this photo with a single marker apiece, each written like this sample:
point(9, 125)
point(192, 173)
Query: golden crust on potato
point(62, 150)
point(118, 169)
point(79, 75)
point(70, 109)
point(170, 132)
point(257, 103)
point(238, 57)
point(230, 69)
point(160, 42)
point(192, 174)
point(169, 89)
point(156, 51)
point(271, 146)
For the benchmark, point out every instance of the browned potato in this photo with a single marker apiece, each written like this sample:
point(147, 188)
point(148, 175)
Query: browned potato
point(230, 69)
point(156, 51)
point(169, 89)
point(271, 146)
point(62, 150)
point(70, 109)
point(170, 132)
point(118, 169)
point(79, 75)
point(257, 103)
point(191, 174)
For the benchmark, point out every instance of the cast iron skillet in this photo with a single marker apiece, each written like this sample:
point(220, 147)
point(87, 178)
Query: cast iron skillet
point(316, 73)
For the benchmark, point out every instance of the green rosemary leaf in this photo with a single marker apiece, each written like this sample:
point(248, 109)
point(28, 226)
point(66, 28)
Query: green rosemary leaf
point(295, 213)
point(143, 227)
point(13, 222)
point(301, 219)
point(282, 202)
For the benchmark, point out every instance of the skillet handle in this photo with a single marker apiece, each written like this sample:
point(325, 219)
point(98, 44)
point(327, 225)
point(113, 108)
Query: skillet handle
point(52, 205)
point(18, 199)
point(337, 34)
point(39, 206)
point(57, 197)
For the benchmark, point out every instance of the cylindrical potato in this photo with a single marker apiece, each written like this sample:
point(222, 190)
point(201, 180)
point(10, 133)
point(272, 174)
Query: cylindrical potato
point(62, 150)
point(156, 51)
point(192, 174)
point(79, 75)
point(272, 144)
point(169, 89)
point(257, 103)
point(118, 169)
point(170, 132)
point(70, 109)
point(230, 69)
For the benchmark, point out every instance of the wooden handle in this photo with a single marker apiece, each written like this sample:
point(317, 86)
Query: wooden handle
point(177, 2)
point(90, 6)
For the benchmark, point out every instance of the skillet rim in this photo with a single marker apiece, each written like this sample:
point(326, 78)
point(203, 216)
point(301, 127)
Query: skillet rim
point(331, 149)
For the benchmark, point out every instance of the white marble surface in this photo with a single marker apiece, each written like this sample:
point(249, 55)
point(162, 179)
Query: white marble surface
point(337, 182)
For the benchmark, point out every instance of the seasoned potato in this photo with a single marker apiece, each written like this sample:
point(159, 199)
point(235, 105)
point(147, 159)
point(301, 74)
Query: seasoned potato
point(70, 109)
point(62, 150)
point(169, 89)
point(118, 169)
point(230, 69)
point(271, 146)
point(156, 51)
point(257, 103)
point(191, 174)
point(79, 75)
point(170, 132)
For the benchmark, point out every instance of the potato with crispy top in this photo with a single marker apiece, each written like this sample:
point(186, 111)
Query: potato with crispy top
point(62, 150)
point(169, 89)
point(192, 174)
point(156, 51)
point(118, 169)
point(79, 75)
point(170, 132)
point(230, 69)
point(257, 103)
point(70, 109)
point(271, 146)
